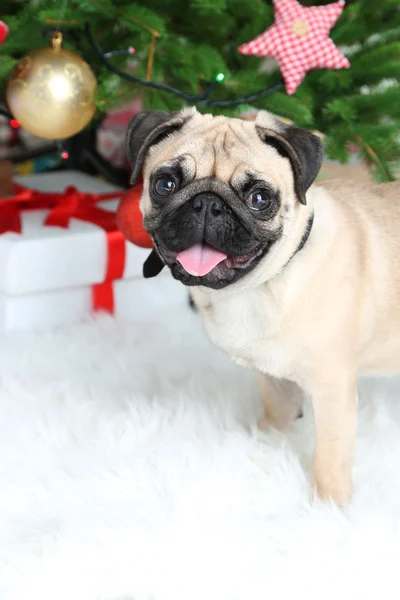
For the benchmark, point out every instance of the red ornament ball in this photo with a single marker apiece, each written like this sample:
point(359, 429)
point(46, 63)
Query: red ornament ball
point(130, 219)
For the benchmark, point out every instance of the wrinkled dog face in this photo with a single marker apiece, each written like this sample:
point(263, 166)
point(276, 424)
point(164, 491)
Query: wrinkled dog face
point(219, 193)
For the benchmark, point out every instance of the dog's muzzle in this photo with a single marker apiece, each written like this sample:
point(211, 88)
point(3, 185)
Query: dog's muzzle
point(200, 258)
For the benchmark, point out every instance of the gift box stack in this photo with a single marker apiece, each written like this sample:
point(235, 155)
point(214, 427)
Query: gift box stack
point(62, 258)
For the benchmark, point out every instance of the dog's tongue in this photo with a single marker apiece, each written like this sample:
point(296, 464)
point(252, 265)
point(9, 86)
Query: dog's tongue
point(200, 259)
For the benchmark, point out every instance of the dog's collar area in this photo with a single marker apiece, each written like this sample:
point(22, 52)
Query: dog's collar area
point(306, 234)
point(304, 238)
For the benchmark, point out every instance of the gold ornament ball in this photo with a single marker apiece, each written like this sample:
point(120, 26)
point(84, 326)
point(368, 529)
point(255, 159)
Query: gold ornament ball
point(51, 92)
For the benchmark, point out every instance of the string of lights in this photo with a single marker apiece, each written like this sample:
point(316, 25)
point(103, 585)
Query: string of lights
point(202, 98)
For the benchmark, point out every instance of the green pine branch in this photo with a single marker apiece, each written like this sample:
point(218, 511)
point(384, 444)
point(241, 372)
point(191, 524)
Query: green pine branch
point(196, 39)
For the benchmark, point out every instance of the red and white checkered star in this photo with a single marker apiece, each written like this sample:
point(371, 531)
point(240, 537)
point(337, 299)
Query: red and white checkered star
point(299, 40)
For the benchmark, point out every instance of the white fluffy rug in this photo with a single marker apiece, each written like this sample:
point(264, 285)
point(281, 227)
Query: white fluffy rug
point(131, 469)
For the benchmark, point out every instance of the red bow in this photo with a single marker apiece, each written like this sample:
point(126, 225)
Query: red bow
point(62, 207)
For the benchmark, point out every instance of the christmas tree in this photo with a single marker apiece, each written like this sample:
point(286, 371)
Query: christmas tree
point(186, 44)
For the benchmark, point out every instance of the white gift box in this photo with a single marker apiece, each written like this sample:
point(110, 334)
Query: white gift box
point(47, 272)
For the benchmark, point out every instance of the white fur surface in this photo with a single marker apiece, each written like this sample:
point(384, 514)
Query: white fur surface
point(131, 469)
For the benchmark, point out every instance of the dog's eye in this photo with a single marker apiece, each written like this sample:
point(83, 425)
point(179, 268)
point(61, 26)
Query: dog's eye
point(164, 186)
point(259, 200)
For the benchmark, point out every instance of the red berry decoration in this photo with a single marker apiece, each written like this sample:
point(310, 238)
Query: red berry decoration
point(3, 32)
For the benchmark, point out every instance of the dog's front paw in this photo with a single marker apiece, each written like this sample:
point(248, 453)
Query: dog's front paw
point(281, 419)
point(266, 422)
point(332, 487)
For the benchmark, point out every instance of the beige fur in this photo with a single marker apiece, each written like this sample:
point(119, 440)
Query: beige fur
point(317, 321)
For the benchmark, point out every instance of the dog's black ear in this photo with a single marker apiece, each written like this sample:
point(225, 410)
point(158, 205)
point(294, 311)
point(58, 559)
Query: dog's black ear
point(146, 129)
point(303, 149)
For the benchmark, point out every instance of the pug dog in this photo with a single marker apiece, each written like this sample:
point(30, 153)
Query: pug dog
point(298, 282)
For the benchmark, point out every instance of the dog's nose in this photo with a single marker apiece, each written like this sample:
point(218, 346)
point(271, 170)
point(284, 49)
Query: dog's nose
point(208, 202)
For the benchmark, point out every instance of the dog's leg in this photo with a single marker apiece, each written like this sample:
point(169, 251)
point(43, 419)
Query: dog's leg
point(335, 415)
point(282, 401)
point(192, 303)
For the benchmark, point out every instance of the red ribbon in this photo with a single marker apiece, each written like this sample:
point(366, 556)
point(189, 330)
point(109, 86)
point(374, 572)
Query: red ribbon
point(62, 207)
